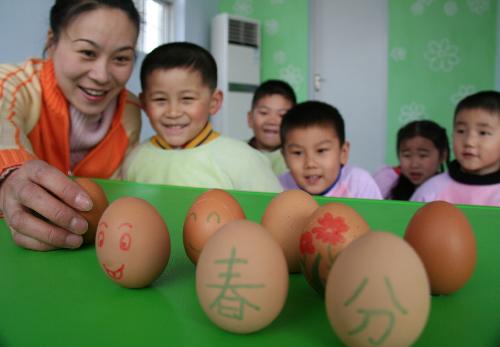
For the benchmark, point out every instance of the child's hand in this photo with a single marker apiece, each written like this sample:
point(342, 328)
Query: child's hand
point(40, 206)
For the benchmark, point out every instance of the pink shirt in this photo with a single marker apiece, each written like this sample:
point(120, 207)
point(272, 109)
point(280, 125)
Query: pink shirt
point(354, 182)
point(386, 178)
point(443, 187)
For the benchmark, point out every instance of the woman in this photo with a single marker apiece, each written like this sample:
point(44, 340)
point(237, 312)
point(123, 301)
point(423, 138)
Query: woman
point(68, 114)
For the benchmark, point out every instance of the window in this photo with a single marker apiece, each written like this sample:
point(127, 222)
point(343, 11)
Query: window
point(157, 26)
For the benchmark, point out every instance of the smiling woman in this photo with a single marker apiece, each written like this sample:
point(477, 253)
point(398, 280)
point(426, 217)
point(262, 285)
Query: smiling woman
point(67, 114)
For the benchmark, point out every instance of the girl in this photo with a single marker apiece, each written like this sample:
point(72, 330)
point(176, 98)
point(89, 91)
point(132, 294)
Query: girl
point(423, 151)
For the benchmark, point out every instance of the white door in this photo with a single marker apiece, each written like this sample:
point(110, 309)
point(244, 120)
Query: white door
point(349, 65)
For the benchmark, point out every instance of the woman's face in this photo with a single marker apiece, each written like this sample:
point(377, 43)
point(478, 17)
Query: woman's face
point(94, 57)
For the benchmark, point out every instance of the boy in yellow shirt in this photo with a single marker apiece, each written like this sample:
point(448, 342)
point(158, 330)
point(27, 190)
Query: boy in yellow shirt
point(179, 94)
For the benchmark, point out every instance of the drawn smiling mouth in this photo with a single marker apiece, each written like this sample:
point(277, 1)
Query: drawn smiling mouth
point(116, 274)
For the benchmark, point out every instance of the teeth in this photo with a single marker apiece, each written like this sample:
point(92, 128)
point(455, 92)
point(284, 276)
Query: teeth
point(94, 92)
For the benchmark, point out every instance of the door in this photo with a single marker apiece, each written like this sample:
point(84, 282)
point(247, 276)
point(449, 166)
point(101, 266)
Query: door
point(349, 70)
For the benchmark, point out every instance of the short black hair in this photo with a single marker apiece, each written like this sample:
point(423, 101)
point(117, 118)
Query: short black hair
point(274, 87)
point(312, 113)
point(181, 55)
point(427, 129)
point(488, 100)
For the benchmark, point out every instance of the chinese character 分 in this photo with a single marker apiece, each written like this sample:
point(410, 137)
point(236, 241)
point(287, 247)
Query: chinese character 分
point(229, 303)
point(369, 313)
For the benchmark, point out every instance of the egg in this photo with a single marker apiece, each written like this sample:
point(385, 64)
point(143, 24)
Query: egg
point(329, 230)
point(242, 277)
point(377, 292)
point(99, 204)
point(285, 217)
point(443, 238)
point(132, 242)
point(209, 212)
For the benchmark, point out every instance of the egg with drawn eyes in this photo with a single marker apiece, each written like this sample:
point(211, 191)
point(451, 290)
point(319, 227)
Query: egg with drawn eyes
point(210, 211)
point(132, 242)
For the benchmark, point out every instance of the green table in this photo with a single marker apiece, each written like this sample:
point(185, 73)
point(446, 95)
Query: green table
point(62, 298)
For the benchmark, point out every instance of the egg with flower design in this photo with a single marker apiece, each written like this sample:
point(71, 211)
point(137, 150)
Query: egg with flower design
point(330, 229)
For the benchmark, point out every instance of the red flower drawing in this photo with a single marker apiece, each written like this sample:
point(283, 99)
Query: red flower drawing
point(331, 229)
point(306, 245)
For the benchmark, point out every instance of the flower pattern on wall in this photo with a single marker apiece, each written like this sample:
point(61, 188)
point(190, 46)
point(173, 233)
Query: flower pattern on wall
point(442, 55)
point(411, 112)
point(463, 91)
point(418, 7)
point(292, 75)
point(272, 26)
point(450, 8)
point(398, 54)
point(243, 7)
point(279, 57)
point(451, 52)
point(479, 7)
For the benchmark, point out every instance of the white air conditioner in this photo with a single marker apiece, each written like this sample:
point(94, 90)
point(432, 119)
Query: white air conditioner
point(236, 49)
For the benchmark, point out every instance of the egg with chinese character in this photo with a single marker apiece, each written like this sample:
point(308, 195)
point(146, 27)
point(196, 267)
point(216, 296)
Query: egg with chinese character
point(377, 292)
point(242, 277)
point(210, 211)
point(285, 217)
point(132, 242)
point(442, 236)
point(99, 205)
point(330, 229)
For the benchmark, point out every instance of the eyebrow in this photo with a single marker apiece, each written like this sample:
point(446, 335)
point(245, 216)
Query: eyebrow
point(103, 224)
point(94, 44)
point(482, 125)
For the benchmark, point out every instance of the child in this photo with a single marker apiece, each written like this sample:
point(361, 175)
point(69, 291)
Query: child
point(474, 177)
point(422, 148)
point(313, 144)
point(271, 100)
point(179, 83)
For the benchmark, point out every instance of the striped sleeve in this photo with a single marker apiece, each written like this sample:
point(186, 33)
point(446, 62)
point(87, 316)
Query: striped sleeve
point(20, 96)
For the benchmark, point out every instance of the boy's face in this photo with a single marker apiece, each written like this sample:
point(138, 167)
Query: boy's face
point(265, 120)
point(314, 156)
point(476, 141)
point(419, 159)
point(178, 104)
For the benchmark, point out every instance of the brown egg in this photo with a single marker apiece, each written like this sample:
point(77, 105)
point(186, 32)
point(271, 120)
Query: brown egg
point(285, 217)
point(209, 212)
point(242, 277)
point(100, 203)
point(132, 242)
point(443, 238)
point(329, 230)
point(377, 292)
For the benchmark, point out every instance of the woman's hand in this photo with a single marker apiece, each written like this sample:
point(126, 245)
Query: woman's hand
point(40, 206)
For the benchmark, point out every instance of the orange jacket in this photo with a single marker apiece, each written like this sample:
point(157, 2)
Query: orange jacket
point(35, 123)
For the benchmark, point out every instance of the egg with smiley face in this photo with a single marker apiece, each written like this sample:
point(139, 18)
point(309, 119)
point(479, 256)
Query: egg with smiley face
point(210, 211)
point(132, 242)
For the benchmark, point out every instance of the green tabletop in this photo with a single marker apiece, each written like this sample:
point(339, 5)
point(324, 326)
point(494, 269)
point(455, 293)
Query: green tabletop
point(62, 298)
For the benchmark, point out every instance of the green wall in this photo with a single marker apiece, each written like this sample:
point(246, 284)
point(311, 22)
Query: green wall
point(284, 33)
point(439, 52)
